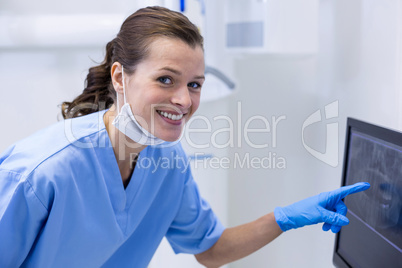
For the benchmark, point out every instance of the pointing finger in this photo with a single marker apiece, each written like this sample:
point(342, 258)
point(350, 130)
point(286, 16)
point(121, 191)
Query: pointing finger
point(350, 189)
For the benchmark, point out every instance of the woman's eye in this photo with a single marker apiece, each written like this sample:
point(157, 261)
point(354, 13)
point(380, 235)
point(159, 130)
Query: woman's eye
point(165, 80)
point(194, 85)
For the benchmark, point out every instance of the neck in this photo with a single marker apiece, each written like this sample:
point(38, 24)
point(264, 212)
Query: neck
point(125, 150)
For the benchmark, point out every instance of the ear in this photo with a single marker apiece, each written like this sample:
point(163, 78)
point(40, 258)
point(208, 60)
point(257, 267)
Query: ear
point(117, 78)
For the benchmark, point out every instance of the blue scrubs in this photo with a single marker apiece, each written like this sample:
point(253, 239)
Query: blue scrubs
point(63, 203)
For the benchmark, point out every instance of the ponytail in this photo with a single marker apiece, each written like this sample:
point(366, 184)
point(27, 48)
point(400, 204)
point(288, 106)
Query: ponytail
point(98, 93)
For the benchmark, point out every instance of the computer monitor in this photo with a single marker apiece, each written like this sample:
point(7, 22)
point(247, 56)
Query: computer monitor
point(373, 237)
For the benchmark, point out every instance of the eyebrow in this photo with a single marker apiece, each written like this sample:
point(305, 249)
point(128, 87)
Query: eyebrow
point(178, 72)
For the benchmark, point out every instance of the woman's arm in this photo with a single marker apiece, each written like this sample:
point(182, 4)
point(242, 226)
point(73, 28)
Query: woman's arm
point(240, 241)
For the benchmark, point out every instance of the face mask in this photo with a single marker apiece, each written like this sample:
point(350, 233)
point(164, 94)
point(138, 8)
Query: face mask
point(128, 125)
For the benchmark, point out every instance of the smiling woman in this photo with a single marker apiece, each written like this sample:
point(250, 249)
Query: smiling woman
point(81, 172)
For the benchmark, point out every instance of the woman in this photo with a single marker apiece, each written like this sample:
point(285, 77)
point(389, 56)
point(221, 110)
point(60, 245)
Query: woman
point(76, 193)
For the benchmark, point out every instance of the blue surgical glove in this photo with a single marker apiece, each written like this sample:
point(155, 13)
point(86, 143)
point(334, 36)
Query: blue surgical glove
point(326, 207)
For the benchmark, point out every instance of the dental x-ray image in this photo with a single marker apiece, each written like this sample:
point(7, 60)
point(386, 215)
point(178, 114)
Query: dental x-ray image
point(380, 165)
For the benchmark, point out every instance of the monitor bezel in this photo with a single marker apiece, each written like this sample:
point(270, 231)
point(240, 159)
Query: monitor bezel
point(382, 133)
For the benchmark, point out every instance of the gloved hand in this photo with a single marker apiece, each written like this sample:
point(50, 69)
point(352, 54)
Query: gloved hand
point(326, 207)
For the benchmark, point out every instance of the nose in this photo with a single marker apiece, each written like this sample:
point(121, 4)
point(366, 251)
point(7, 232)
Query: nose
point(181, 97)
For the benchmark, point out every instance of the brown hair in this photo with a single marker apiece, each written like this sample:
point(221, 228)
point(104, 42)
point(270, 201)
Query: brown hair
point(129, 48)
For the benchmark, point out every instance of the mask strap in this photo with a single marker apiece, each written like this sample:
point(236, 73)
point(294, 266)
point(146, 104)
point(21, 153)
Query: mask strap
point(118, 104)
point(124, 92)
point(124, 87)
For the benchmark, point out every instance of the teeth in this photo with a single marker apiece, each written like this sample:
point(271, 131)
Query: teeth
point(171, 116)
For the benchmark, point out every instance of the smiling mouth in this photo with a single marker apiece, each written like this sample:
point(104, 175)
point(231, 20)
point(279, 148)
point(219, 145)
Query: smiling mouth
point(174, 117)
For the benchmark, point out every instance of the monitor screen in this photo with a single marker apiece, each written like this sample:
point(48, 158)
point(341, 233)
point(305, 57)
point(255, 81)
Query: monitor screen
point(373, 237)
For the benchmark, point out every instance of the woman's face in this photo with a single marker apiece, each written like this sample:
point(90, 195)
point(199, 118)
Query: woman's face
point(164, 90)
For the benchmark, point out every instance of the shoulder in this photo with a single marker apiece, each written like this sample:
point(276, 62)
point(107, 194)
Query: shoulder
point(45, 145)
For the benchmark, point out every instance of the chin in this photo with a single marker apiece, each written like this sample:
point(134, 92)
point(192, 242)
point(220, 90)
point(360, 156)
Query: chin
point(169, 138)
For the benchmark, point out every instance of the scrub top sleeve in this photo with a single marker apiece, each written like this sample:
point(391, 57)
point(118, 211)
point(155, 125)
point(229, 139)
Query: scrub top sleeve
point(195, 227)
point(22, 216)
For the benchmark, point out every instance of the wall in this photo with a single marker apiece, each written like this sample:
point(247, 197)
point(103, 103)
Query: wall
point(359, 65)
